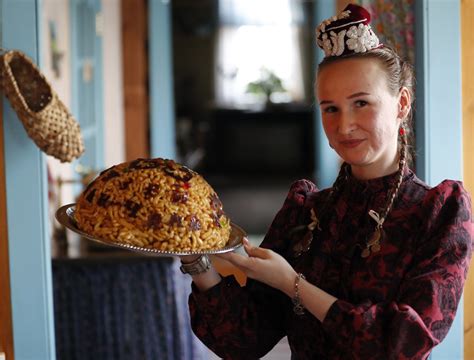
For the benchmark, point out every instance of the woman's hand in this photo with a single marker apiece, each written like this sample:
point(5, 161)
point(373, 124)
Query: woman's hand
point(265, 266)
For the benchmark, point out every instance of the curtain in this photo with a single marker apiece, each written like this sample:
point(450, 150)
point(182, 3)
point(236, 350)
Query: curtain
point(393, 20)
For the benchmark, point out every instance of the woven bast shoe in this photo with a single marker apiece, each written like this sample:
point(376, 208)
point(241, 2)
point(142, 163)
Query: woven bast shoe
point(45, 118)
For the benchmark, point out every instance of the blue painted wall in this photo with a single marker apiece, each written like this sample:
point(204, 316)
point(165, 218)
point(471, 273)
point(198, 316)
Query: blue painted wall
point(26, 186)
point(327, 161)
point(162, 117)
point(439, 115)
point(439, 107)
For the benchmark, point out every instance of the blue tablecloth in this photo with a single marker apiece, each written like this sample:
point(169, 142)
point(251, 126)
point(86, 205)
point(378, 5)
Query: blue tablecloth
point(123, 308)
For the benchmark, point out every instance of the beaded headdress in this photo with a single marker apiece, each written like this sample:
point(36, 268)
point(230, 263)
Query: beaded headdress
point(347, 33)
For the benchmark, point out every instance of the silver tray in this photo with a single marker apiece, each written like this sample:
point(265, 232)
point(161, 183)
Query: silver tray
point(65, 216)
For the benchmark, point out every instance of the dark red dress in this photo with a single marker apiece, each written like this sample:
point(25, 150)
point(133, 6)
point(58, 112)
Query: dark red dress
point(396, 304)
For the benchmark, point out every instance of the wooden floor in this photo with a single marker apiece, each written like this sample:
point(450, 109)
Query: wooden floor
point(280, 352)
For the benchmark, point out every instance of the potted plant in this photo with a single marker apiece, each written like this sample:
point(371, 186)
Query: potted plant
point(266, 85)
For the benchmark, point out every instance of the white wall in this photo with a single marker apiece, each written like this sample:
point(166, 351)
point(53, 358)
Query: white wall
point(57, 12)
point(113, 84)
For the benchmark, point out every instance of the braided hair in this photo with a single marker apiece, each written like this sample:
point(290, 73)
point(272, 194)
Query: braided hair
point(400, 75)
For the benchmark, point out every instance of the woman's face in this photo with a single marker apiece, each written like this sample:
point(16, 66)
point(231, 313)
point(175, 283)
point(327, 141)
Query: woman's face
point(360, 115)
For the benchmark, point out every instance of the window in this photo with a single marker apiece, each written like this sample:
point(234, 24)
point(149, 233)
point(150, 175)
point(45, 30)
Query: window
point(257, 37)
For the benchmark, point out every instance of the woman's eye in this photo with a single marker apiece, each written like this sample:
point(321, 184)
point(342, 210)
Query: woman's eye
point(361, 103)
point(330, 109)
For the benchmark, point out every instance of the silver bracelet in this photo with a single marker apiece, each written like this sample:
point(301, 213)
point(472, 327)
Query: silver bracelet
point(298, 307)
point(201, 265)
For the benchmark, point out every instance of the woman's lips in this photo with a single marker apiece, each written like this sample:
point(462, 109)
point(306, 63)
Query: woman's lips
point(351, 143)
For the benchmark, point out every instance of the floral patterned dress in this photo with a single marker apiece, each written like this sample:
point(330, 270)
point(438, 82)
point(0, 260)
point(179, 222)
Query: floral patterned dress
point(397, 303)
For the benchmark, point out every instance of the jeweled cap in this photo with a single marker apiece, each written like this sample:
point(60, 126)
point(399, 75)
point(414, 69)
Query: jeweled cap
point(347, 33)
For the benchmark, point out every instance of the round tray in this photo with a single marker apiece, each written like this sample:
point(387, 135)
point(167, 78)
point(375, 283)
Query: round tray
point(65, 216)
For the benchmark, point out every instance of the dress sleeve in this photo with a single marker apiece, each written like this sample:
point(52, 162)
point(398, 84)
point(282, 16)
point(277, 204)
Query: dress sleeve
point(422, 313)
point(247, 322)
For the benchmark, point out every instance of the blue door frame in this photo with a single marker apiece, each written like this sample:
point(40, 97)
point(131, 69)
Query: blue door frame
point(162, 117)
point(26, 187)
point(439, 116)
point(327, 161)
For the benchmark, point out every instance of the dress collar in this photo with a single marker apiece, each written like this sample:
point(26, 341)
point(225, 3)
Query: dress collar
point(376, 185)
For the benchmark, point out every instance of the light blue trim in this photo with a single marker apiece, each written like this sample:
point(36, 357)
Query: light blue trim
point(95, 131)
point(99, 91)
point(327, 161)
point(439, 107)
point(162, 117)
point(26, 190)
point(439, 115)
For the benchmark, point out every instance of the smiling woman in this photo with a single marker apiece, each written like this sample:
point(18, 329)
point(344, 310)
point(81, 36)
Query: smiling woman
point(361, 114)
point(372, 267)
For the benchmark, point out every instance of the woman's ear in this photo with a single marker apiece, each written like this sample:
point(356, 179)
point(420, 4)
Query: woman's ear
point(404, 103)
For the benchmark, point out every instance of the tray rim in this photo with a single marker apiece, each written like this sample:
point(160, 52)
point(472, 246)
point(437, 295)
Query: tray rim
point(65, 216)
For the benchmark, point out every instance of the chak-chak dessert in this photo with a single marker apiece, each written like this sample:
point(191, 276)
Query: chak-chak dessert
point(153, 203)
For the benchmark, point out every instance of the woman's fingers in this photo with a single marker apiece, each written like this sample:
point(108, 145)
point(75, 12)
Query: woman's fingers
point(238, 260)
point(262, 264)
point(255, 251)
point(230, 256)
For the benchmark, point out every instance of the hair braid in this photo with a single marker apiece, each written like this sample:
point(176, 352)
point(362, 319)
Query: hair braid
point(373, 244)
point(337, 186)
point(401, 167)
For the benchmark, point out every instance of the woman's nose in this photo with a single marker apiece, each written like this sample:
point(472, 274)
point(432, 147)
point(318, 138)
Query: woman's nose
point(346, 123)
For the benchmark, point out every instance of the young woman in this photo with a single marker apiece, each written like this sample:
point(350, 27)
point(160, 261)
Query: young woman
point(371, 268)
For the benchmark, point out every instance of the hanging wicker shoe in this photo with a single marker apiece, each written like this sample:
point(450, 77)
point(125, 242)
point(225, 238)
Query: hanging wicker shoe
point(45, 118)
